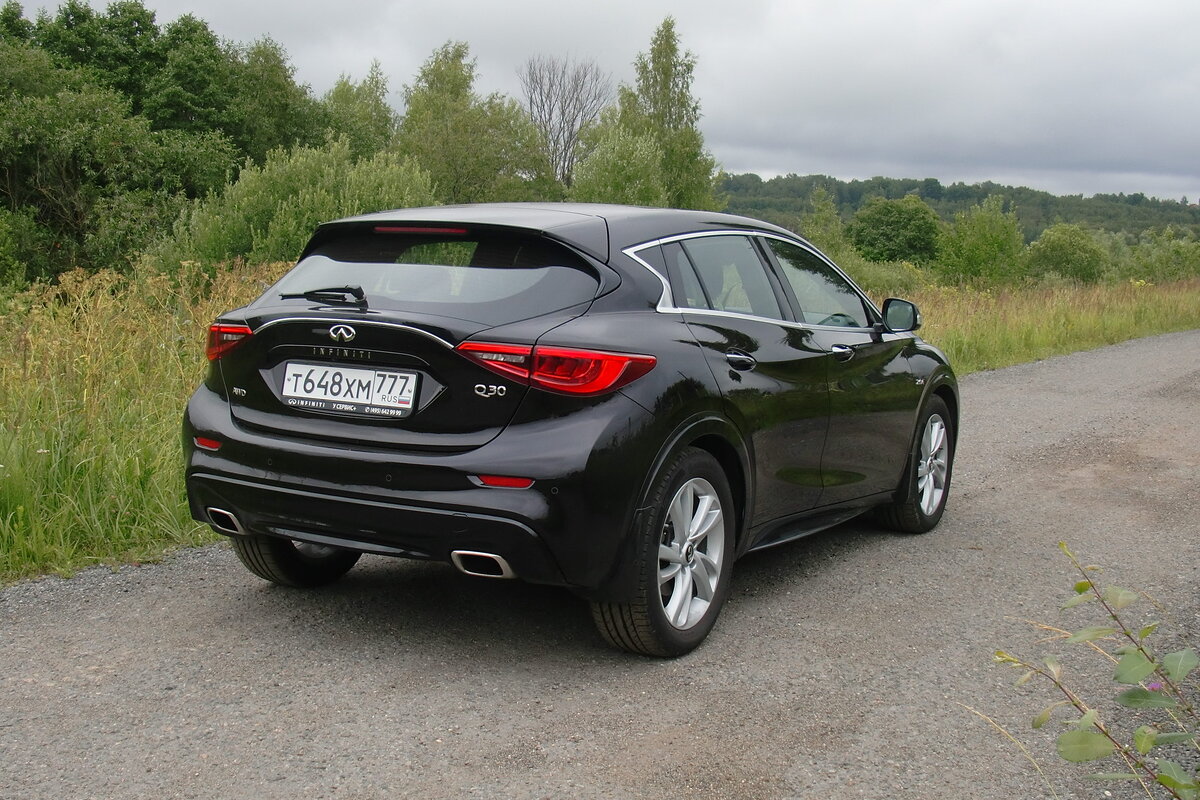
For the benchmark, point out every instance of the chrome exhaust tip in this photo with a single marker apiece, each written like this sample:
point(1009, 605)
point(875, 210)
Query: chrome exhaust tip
point(481, 565)
point(224, 521)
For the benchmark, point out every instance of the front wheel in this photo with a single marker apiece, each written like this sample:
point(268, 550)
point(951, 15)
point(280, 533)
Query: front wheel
point(927, 478)
point(685, 553)
point(289, 563)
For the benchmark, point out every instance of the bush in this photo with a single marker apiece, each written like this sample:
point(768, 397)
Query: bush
point(1164, 255)
point(896, 230)
point(1069, 251)
point(984, 243)
point(269, 213)
point(621, 168)
point(23, 248)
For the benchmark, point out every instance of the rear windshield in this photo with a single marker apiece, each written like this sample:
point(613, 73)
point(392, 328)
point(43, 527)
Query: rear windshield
point(488, 278)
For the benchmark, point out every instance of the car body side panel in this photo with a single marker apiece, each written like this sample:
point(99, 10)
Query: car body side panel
point(873, 399)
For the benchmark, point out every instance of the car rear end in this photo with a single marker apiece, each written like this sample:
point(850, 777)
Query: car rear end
point(427, 390)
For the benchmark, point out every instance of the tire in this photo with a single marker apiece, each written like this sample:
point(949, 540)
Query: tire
point(926, 486)
point(682, 581)
point(291, 563)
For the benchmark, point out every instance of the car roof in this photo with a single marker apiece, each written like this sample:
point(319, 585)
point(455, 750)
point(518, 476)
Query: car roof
point(597, 229)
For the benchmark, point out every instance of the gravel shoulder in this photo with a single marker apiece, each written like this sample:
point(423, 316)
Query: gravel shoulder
point(843, 665)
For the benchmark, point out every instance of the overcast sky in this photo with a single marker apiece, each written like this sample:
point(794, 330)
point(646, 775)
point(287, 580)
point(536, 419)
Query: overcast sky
point(1074, 97)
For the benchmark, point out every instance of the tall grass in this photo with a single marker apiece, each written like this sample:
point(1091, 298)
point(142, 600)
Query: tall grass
point(988, 329)
point(92, 383)
point(97, 368)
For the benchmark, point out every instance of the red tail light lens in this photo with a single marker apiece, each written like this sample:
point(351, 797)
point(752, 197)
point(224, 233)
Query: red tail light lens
point(586, 371)
point(567, 370)
point(223, 338)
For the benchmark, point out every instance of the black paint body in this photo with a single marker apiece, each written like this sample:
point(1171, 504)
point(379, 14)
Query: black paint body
point(807, 440)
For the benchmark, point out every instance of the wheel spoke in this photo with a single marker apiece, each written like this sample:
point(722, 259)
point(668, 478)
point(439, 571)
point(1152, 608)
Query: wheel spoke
point(699, 524)
point(668, 573)
point(705, 576)
point(927, 496)
point(935, 437)
point(681, 598)
point(681, 515)
point(668, 553)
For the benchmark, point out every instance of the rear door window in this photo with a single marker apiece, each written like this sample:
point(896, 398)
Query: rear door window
point(733, 276)
point(490, 278)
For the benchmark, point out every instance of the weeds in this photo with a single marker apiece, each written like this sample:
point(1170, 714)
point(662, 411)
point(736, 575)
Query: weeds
point(92, 384)
point(1151, 684)
point(98, 367)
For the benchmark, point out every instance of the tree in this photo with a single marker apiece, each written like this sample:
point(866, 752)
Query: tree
point(622, 167)
point(1069, 251)
point(13, 25)
point(984, 242)
point(563, 97)
point(823, 225)
point(475, 148)
point(121, 47)
point(270, 211)
point(192, 91)
point(360, 112)
point(896, 230)
point(661, 105)
point(267, 108)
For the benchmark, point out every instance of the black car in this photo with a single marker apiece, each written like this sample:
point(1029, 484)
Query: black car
point(620, 401)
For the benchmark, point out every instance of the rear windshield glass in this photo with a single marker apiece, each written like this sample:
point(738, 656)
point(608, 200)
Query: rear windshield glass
point(488, 278)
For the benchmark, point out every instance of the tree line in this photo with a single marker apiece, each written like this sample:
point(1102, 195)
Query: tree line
point(789, 196)
point(123, 142)
point(121, 137)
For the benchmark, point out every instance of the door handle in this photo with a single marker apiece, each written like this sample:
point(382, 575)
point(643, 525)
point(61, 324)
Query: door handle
point(739, 360)
point(842, 352)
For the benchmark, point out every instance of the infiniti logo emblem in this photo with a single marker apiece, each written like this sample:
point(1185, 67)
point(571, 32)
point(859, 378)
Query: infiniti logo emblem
point(342, 333)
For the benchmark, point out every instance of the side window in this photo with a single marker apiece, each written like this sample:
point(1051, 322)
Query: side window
point(733, 275)
point(825, 297)
point(684, 281)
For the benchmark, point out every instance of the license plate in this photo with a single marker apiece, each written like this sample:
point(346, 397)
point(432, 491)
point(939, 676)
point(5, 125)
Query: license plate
point(324, 387)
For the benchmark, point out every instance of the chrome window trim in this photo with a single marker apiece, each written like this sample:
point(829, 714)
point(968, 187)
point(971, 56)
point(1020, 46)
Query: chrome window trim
point(666, 301)
point(352, 321)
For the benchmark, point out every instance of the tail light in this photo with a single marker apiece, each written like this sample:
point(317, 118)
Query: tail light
point(223, 338)
point(567, 370)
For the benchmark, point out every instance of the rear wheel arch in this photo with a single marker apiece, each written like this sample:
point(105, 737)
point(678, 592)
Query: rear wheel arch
point(736, 472)
point(713, 435)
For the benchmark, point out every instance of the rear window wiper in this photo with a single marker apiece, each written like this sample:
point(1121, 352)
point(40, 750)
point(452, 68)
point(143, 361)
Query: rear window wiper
point(340, 295)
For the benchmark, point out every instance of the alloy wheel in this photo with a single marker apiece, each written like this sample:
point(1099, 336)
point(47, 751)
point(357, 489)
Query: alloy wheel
point(933, 465)
point(690, 553)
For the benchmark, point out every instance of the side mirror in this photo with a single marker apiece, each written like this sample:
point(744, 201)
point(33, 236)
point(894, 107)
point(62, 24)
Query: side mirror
point(900, 315)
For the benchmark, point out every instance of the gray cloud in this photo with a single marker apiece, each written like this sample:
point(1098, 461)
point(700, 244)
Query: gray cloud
point(1072, 96)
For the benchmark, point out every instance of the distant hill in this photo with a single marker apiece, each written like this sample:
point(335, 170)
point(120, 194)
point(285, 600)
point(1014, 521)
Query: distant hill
point(782, 200)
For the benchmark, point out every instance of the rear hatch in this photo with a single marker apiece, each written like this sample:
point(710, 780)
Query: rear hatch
point(356, 344)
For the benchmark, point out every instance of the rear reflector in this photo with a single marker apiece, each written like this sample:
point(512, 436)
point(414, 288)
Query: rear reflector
point(207, 444)
point(223, 338)
point(505, 481)
point(567, 370)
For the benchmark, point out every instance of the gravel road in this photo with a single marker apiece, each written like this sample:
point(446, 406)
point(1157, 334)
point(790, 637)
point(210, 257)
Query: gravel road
point(841, 668)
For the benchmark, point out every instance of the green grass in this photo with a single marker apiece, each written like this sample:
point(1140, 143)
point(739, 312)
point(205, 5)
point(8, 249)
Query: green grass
point(92, 385)
point(97, 369)
point(989, 329)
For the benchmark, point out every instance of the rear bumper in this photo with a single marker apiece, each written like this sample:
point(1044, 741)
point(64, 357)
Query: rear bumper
point(570, 528)
point(370, 526)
